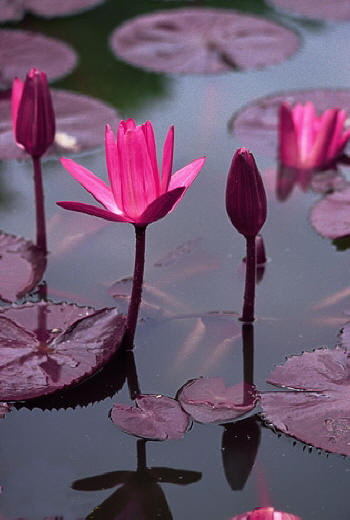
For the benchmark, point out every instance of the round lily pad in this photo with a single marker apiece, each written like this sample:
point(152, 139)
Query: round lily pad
point(45, 347)
point(323, 9)
point(208, 400)
point(154, 417)
point(75, 133)
point(257, 124)
point(22, 266)
point(22, 50)
point(331, 215)
point(16, 9)
point(315, 407)
point(202, 41)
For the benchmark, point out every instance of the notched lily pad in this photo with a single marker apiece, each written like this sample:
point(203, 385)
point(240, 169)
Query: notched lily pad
point(208, 400)
point(316, 409)
point(256, 125)
point(46, 347)
point(331, 215)
point(22, 266)
point(16, 9)
point(323, 9)
point(202, 41)
point(73, 134)
point(154, 417)
point(21, 50)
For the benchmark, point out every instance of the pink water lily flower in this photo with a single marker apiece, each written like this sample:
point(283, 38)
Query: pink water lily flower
point(266, 513)
point(307, 141)
point(138, 193)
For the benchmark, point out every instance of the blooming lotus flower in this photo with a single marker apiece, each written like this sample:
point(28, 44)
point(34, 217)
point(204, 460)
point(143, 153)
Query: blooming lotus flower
point(33, 117)
point(138, 193)
point(307, 141)
point(245, 194)
point(265, 513)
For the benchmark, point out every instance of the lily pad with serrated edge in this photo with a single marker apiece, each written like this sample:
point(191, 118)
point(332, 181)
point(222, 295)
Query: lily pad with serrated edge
point(46, 347)
point(202, 41)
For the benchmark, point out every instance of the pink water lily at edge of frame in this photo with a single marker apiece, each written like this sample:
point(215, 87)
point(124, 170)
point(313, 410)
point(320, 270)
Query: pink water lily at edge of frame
point(308, 141)
point(265, 513)
point(138, 193)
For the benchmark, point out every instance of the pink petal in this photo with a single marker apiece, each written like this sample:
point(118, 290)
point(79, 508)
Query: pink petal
point(318, 156)
point(337, 144)
point(187, 174)
point(112, 164)
point(97, 187)
point(306, 131)
point(161, 206)
point(148, 132)
point(167, 161)
point(288, 144)
point(17, 90)
point(89, 209)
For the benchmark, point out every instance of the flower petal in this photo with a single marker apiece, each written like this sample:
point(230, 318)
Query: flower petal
point(318, 156)
point(97, 187)
point(167, 160)
point(187, 174)
point(89, 209)
point(288, 143)
point(148, 132)
point(161, 206)
point(112, 164)
point(17, 90)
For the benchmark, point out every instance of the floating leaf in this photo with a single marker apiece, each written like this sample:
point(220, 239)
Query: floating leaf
point(265, 513)
point(208, 400)
point(323, 9)
point(202, 41)
point(46, 347)
point(15, 9)
point(256, 125)
point(318, 411)
point(73, 134)
point(154, 417)
point(22, 266)
point(19, 50)
point(331, 216)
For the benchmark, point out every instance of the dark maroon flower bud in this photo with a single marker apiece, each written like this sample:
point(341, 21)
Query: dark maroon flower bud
point(245, 194)
point(33, 117)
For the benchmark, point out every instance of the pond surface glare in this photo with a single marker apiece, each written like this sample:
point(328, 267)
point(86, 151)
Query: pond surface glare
point(43, 452)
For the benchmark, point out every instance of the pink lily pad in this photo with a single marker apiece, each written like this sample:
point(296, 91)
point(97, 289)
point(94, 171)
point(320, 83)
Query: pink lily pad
point(73, 134)
point(331, 216)
point(22, 266)
point(21, 50)
point(16, 9)
point(154, 417)
point(317, 411)
point(323, 9)
point(256, 125)
point(202, 41)
point(46, 347)
point(208, 400)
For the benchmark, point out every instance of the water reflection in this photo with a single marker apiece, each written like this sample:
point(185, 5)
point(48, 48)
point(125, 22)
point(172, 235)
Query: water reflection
point(140, 496)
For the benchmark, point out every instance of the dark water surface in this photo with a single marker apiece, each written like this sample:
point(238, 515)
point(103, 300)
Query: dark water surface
point(43, 452)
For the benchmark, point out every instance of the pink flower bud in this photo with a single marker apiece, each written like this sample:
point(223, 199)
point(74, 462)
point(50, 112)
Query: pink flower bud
point(245, 194)
point(33, 117)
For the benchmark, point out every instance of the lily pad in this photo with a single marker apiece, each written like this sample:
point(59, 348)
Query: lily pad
point(317, 411)
point(331, 216)
point(154, 417)
point(202, 41)
point(73, 134)
point(22, 266)
point(21, 50)
point(208, 400)
point(16, 9)
point(46, 347)
point(265, 513)
point(257, 124)
point(323, 9)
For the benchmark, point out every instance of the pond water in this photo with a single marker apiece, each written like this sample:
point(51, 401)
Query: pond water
point(43, 452)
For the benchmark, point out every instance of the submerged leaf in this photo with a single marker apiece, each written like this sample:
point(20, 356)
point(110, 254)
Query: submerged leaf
point(202, 41)
point(317, 412)
point(22, 266)
point(20, 49)
point(46, 347)
point(154, 417)
point(331, 216)
point(208, 400)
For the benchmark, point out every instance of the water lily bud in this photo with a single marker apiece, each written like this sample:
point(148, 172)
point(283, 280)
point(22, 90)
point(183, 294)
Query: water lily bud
point(245, 194)
point(33, 116)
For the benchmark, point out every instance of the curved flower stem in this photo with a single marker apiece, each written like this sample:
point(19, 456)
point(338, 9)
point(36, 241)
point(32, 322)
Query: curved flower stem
point(133, 311)
point(39, 205)
point(249, 292)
